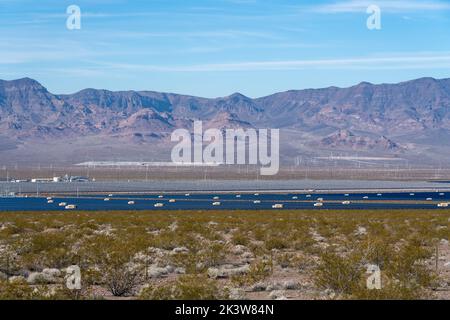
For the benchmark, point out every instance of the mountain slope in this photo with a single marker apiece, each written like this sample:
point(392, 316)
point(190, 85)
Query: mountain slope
point(406, 118)
point(386, 109)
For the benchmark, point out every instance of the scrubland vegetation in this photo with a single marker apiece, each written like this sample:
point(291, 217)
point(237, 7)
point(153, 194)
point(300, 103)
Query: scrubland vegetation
point(226, 255)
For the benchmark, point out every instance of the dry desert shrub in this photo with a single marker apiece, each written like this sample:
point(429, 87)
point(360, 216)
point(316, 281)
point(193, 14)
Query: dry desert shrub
point(120, 279)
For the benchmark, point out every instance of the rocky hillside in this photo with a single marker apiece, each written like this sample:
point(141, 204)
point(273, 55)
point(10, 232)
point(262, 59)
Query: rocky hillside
point(412, 116)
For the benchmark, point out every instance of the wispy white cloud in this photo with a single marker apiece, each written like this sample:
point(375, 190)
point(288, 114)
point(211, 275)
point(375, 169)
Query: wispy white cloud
point(407, 61)
point(417, 61)
point(198, 34)
point(386, 5)
point(242, 1)
point(28, 50)
point(23, 50)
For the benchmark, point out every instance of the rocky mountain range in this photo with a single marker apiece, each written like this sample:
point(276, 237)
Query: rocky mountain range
point(409, 120)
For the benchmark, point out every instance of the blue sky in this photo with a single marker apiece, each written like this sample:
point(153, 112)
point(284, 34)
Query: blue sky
point(217, 47)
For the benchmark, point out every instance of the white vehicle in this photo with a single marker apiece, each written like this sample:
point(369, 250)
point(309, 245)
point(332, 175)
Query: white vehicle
point(49, 198)
point(412, 194)
point(187, 195)
point(159, 205)
point(256, 194)
point(50, 201)
point(442, 194)
point(131, 202)
point(308, 196)
point(172, 200)
point(318, 204)
point(257, 202)
point(346, 195)
point(294, 198)
point(216, 204)
point(160, 197)
point(278, 206)
point(106, 199)
point(110, 195)
point(443, 205)
point(346, 202)
point(379, 195)
point(320, 199)
point(429, 199)
point(238, 196)
point(62, 204)
point(366, 197)
point(216, 198)
point(70, 207)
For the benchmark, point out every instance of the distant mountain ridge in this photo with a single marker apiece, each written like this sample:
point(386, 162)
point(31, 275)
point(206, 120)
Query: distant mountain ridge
point(391, 118)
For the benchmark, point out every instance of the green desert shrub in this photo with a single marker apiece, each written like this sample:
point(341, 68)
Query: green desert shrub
point(213, 254)
point(376, 251)
point(408, 268)
point(240, 238)
point(338, 273)
point(17, 290)
point(259, 270)
point(404, 272)
point(187, 287)
point(276, 242)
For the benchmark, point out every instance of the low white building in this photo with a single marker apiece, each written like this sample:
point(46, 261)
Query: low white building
point(35, 180)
